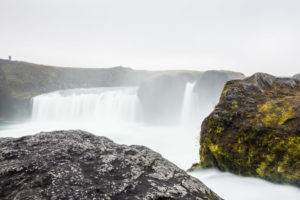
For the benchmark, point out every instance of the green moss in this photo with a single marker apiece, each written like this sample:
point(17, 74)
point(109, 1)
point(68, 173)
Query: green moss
point(224, 92)
point(234, 105)
point(261, 169)
point(219, 130)
point(214, 149)
point(258, 137)
point(276, 112)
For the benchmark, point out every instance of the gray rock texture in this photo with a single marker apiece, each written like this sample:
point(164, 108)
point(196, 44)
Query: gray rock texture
point(79, 165)
point(297, 76)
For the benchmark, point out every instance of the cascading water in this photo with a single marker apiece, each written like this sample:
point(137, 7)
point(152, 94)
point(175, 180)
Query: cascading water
point(107, 105)
point(190, 106)
point(194, 108)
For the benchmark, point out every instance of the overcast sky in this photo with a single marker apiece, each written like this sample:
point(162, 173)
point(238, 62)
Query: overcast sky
point(240, 35)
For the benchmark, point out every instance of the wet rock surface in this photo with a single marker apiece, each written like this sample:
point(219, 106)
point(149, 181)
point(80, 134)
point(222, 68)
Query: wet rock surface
point(79, 165)
point(255, 129)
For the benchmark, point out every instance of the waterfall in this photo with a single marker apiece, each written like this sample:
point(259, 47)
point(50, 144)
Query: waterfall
point(190, 107)
point(100, 105)
point(195, 106)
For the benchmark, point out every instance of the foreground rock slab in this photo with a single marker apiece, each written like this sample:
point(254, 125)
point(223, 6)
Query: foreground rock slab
point(255, 129)
point(79, 165)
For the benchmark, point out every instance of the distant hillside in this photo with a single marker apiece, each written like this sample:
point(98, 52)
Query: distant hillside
point(20, 81)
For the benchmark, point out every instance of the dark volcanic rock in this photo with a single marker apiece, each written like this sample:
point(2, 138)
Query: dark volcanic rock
point(79, 165)
point(255, 129)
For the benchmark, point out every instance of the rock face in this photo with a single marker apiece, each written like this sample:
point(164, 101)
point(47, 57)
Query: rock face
point(79, 165)
point(255, 129)
point(210, 86)
point(297, 76)
point(162, 95)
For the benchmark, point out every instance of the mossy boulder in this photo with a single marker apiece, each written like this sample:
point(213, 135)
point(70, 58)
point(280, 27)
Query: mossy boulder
point(255, 129)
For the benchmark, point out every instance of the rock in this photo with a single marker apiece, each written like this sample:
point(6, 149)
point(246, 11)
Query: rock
point(255, 129)
point(161, 96)
point(297, 76)
point(211, 83)
point(209, 87)
point(79, 165)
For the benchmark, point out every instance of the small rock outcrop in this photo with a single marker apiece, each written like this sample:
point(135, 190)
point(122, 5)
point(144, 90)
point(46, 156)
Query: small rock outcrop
point(255, 129)
point(79, 165)
point(211, 83)
point(297, 76)
point(209, 87)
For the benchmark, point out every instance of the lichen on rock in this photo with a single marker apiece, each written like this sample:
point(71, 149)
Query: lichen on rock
point(255, 129)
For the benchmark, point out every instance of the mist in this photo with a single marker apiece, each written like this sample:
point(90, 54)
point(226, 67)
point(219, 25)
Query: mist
point(246, 36)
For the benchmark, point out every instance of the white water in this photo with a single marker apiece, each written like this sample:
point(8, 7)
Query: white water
point(195, 108)
point(100, 105)
point(103, 111)
point(191, 108)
